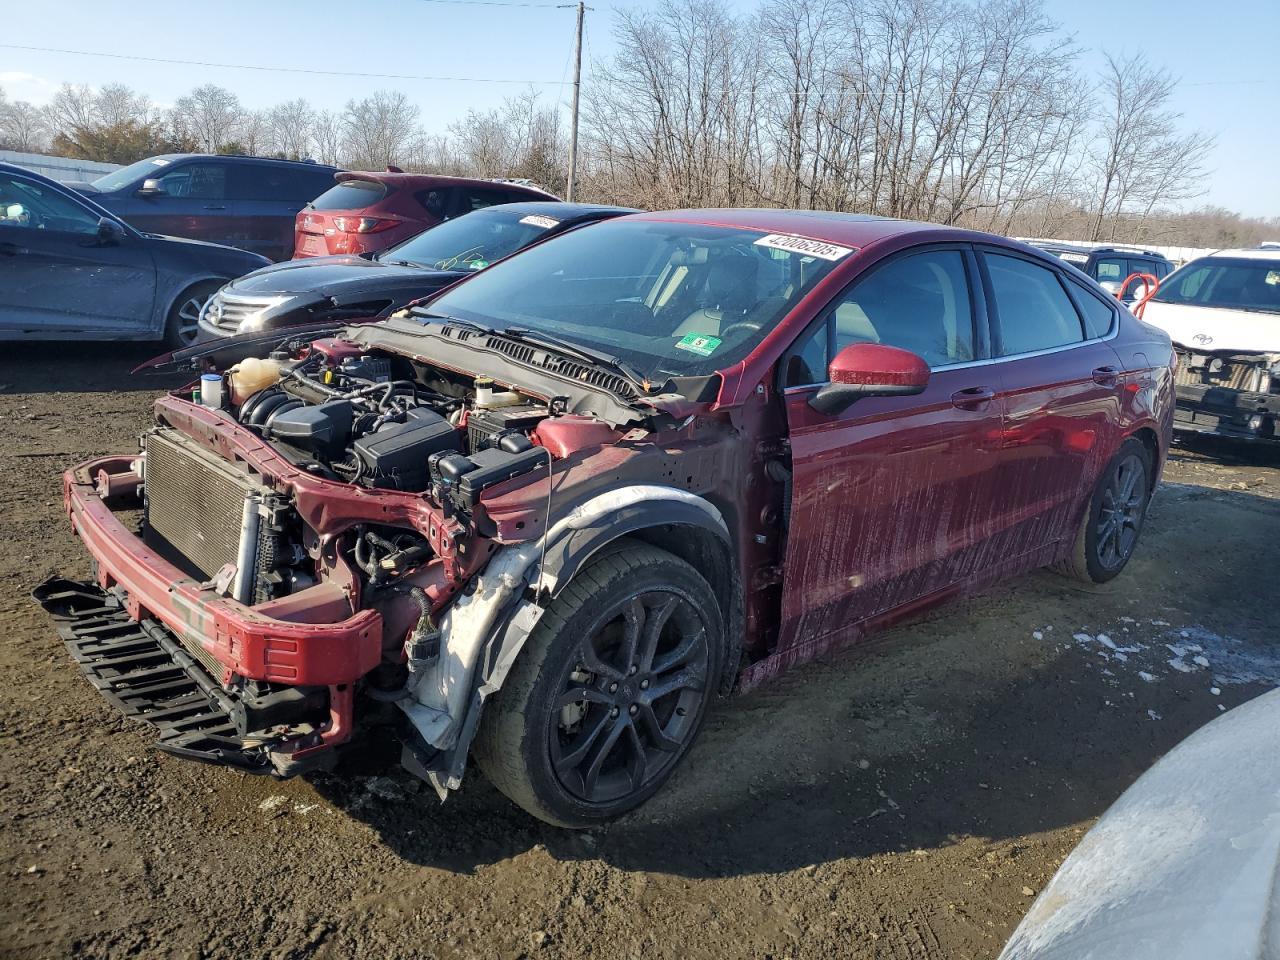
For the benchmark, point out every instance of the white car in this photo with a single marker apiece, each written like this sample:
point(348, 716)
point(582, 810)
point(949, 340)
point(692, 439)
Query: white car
point(1223, 314)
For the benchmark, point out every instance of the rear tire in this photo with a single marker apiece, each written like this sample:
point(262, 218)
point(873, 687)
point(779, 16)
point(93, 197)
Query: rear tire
point(182, 324)
point(1112, 522)
point(609, 692)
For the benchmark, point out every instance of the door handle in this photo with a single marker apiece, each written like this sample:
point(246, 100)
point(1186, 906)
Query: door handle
point(213, 207)
point(972, 398)
point(1106, 376)
point(11, 249)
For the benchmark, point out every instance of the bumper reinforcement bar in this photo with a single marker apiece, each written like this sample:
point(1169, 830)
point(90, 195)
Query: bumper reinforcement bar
point(144, 672)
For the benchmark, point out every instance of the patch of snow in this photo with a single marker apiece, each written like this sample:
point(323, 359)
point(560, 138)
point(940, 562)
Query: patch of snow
point(1037, 634)
point(1153, 715)
point(1083, 637)
point(1181, 665)
point(1120, 655)
point(1215, 691)
point(1148, 677)
point(1203, 661)
point(272, 802)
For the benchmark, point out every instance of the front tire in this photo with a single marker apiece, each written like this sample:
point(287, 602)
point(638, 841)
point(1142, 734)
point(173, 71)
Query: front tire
point(182, 325)
point(609, 691)
point(1112, 523)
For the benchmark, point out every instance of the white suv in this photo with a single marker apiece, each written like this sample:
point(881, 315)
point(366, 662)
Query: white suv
point(1223, 314)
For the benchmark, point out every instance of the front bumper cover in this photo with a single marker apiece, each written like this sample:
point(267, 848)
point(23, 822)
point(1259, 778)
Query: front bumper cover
point(173, 622)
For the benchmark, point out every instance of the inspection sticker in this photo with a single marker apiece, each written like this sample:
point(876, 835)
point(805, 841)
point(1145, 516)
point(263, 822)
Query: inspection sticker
point(698, 343)
point(535, 220)
point(812, 248)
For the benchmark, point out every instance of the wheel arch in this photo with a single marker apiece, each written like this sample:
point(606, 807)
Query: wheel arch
point(681, 529)
point(185, 286)
point(1150, 440)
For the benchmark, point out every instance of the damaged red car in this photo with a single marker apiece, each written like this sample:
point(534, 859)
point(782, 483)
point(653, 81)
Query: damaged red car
point(556, 510)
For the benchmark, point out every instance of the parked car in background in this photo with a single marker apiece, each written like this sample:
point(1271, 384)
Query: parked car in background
point(1110, 266)
point(366, 212)
point(553, 511)
point(1223, 313)
point(246, 202)
point(71, 270)
point(321, 289)
point(1184, 866)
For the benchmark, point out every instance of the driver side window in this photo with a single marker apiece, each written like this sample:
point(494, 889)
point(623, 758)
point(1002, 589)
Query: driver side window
point(25, 203)
point(918, 302)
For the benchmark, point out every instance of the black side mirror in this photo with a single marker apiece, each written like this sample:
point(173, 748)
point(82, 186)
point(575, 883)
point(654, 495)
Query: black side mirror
point(110, 232)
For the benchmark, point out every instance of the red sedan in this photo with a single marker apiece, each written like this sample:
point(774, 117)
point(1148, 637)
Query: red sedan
point(366, 212)
point(558, 508)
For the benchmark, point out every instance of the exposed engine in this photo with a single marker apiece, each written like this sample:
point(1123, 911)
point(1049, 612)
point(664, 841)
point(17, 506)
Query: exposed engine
point(381, 421)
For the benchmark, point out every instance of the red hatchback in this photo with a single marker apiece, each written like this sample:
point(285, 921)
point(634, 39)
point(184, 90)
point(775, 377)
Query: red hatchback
point(553, 511)
point(366, 212)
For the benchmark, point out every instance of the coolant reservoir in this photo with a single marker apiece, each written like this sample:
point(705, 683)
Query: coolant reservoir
point(251, 375)
point(488, 398)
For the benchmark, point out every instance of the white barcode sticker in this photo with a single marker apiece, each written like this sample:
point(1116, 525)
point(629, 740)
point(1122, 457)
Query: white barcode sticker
point(534, 220)
point(804, 246)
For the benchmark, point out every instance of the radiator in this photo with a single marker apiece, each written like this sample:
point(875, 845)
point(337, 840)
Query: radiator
point(1246, 374)
point(194, 503)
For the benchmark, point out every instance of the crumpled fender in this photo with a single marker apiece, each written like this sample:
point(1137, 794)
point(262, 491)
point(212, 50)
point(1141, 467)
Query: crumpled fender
point(483, 631)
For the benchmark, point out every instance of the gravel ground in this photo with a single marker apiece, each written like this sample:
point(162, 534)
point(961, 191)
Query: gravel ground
point(902, 801)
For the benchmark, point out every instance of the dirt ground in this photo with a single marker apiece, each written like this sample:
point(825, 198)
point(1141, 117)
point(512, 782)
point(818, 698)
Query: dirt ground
point(904, 802)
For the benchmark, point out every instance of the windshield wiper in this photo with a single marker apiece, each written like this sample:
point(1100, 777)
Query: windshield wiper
point(452, 321)
point(585, 354)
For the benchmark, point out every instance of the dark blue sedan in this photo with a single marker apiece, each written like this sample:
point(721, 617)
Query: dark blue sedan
point(70, 270)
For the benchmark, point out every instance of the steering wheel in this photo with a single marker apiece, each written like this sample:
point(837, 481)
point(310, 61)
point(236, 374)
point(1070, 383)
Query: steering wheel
point(749, 325)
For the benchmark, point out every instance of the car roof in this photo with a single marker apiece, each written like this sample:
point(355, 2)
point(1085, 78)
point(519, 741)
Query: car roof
point(850, 229)
point(1249, 253)
point(242, 158)
point(419, 180)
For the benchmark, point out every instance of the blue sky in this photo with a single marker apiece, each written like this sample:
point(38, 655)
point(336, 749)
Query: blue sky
point(1223, 52)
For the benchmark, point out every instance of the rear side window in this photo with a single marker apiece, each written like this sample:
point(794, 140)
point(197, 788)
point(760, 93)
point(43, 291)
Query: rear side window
point(351, 195)
point(269, 181)
point(477, 199)
point(434, 202)
point(1034, 310)
point(1110, 268)
point(1098, 314)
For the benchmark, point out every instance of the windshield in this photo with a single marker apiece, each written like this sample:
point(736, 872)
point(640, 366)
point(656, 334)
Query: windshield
point(1235, 283)
point(153, 167)
point(669, 299)
point(473, 241)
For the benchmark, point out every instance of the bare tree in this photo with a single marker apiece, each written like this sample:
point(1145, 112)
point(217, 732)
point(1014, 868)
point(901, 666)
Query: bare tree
point(380, 129)
point(210, 115)
point(22, 126)
point(1142, 159)
point(255, 134)
point(326, 132)
point(73, 107)
point(116, 103)
point(291, 123)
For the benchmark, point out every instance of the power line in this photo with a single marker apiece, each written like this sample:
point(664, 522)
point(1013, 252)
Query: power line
point(249, 66)
point(491, 3)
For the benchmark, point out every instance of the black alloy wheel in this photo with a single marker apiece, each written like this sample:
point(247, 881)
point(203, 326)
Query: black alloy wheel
point(609, 691)
point(629, 704)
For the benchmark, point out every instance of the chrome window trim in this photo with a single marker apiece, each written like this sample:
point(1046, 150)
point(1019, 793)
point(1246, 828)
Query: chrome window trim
point(988, 361)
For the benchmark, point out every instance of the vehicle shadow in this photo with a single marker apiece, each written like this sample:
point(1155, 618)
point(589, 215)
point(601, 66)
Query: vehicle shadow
point(960, 725)
point(1190, 446)
point(57, 367)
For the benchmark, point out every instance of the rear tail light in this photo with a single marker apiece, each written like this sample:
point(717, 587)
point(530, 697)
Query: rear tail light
point(361, 224)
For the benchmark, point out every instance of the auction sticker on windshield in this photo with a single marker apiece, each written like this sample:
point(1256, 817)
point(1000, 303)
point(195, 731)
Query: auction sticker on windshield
point(536, 220)
point(812, 248)
point(698, 343)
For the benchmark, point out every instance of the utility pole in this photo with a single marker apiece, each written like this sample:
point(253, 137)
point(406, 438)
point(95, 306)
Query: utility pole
point(573, 122)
